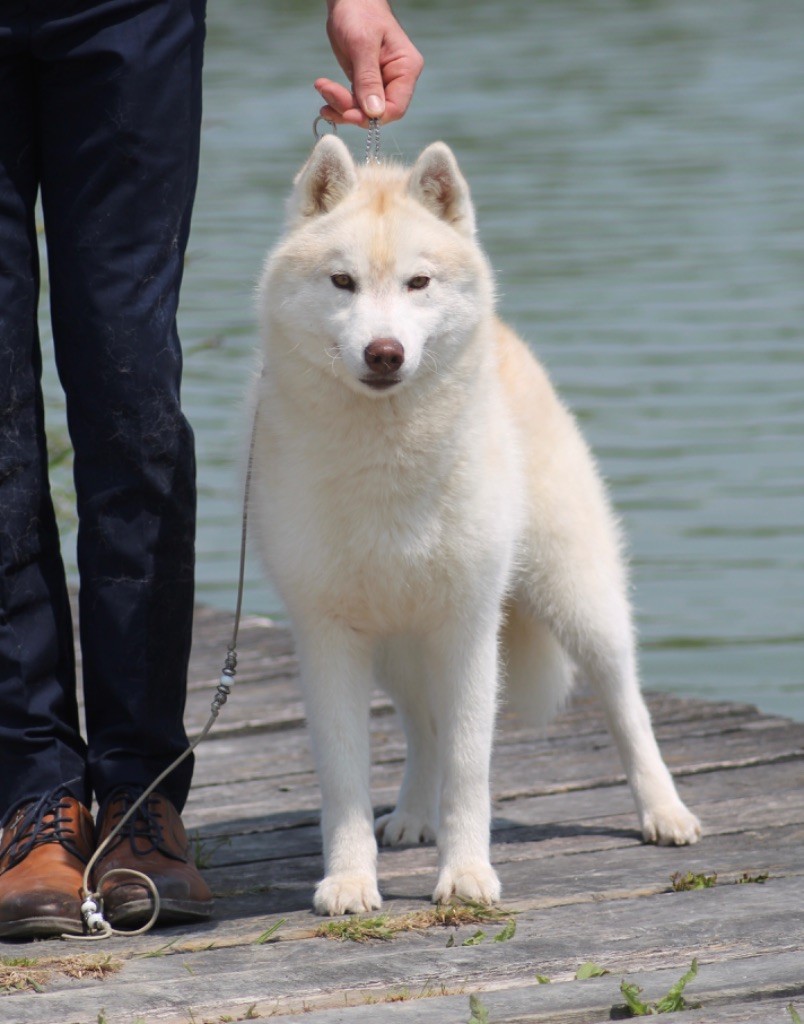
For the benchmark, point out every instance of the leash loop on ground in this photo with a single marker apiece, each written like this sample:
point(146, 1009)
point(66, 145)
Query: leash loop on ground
point(92, 910)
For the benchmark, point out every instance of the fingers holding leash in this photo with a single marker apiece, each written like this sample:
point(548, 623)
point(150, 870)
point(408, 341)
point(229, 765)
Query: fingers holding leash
point(379, 60)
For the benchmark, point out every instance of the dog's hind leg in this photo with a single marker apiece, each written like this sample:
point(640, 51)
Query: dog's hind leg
point(604, 648)
point(571, 576)
point(336, 677)
point(402, 670)
point(588, 612)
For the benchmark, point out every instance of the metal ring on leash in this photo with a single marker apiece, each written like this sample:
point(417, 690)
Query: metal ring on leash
point(372, 138)
point(326, 120)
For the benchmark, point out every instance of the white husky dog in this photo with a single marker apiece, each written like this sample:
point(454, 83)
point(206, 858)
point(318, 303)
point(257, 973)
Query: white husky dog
point(431, 518)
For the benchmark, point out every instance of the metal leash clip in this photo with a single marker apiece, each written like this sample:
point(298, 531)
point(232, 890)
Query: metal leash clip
point(318, 135)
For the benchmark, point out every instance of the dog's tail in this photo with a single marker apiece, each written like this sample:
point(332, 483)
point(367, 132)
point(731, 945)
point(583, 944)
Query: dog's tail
point(537, 670)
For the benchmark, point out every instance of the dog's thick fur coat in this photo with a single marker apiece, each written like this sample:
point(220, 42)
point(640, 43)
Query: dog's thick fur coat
point(432, 519)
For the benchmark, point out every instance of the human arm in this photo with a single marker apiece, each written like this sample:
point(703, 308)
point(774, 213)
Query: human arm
point(379, 60)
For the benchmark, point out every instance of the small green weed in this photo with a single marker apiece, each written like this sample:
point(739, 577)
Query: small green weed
point(758, 879)
point(358, 929)
point(445, 915)
point(633, 1003)
point(459, 912)
point(270, 932)
point(589, 970)
point(21, 974)
point(161, 951)
point(691, 881)
point(674, 1000)
point(542, 979)
point(794, 1016)
point(507, 933)
point(479, 1013)
point(671, 1003)
point(204, 849)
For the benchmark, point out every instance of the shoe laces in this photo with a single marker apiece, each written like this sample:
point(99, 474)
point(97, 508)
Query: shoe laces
point(144, 830)
point(43, 821)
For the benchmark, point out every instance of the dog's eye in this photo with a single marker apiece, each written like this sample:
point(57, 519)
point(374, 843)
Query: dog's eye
point(415, 284)
point(344, 281)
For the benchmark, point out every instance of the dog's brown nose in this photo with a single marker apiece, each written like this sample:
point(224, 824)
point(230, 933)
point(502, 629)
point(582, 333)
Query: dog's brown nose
point(384, 356)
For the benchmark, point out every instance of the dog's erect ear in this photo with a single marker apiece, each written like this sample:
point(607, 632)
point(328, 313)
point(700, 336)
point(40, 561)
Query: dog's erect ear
point(439, 185)
point(325, 180)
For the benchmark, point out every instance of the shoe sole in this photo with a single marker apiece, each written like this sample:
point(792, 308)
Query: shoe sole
point(41, 928)
point(138, 912)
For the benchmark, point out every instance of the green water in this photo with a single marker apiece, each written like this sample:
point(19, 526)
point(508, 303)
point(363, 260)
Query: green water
point(638, 171)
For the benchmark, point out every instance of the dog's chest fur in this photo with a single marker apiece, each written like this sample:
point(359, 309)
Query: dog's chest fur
point(378, 514)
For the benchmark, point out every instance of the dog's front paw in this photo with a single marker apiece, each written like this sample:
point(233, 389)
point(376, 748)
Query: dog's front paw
point(670, 825)
point(477, 882)
point(346, 894)
point(400, 827)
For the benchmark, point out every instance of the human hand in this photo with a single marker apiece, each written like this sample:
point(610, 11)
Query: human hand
point(379, 60)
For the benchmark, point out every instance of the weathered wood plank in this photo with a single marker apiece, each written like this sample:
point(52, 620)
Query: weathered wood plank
point(259, 805)
point(228, 849)
point(269, 704)
point(721, 927)
point(539, 766)
point(759, 1010)
point(286, 884)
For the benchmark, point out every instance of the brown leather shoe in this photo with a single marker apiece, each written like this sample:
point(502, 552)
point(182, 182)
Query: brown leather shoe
point(45, 847)
point(154, 842)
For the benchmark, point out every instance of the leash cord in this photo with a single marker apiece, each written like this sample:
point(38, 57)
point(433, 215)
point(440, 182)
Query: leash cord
point(92, 906)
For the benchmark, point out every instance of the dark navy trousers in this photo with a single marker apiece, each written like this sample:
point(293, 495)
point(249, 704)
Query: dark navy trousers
point(100, 107)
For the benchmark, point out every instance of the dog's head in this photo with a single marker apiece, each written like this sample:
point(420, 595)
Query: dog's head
point(378, 280)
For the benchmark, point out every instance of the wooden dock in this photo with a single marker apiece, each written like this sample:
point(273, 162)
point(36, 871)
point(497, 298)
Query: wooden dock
point(577, 881)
